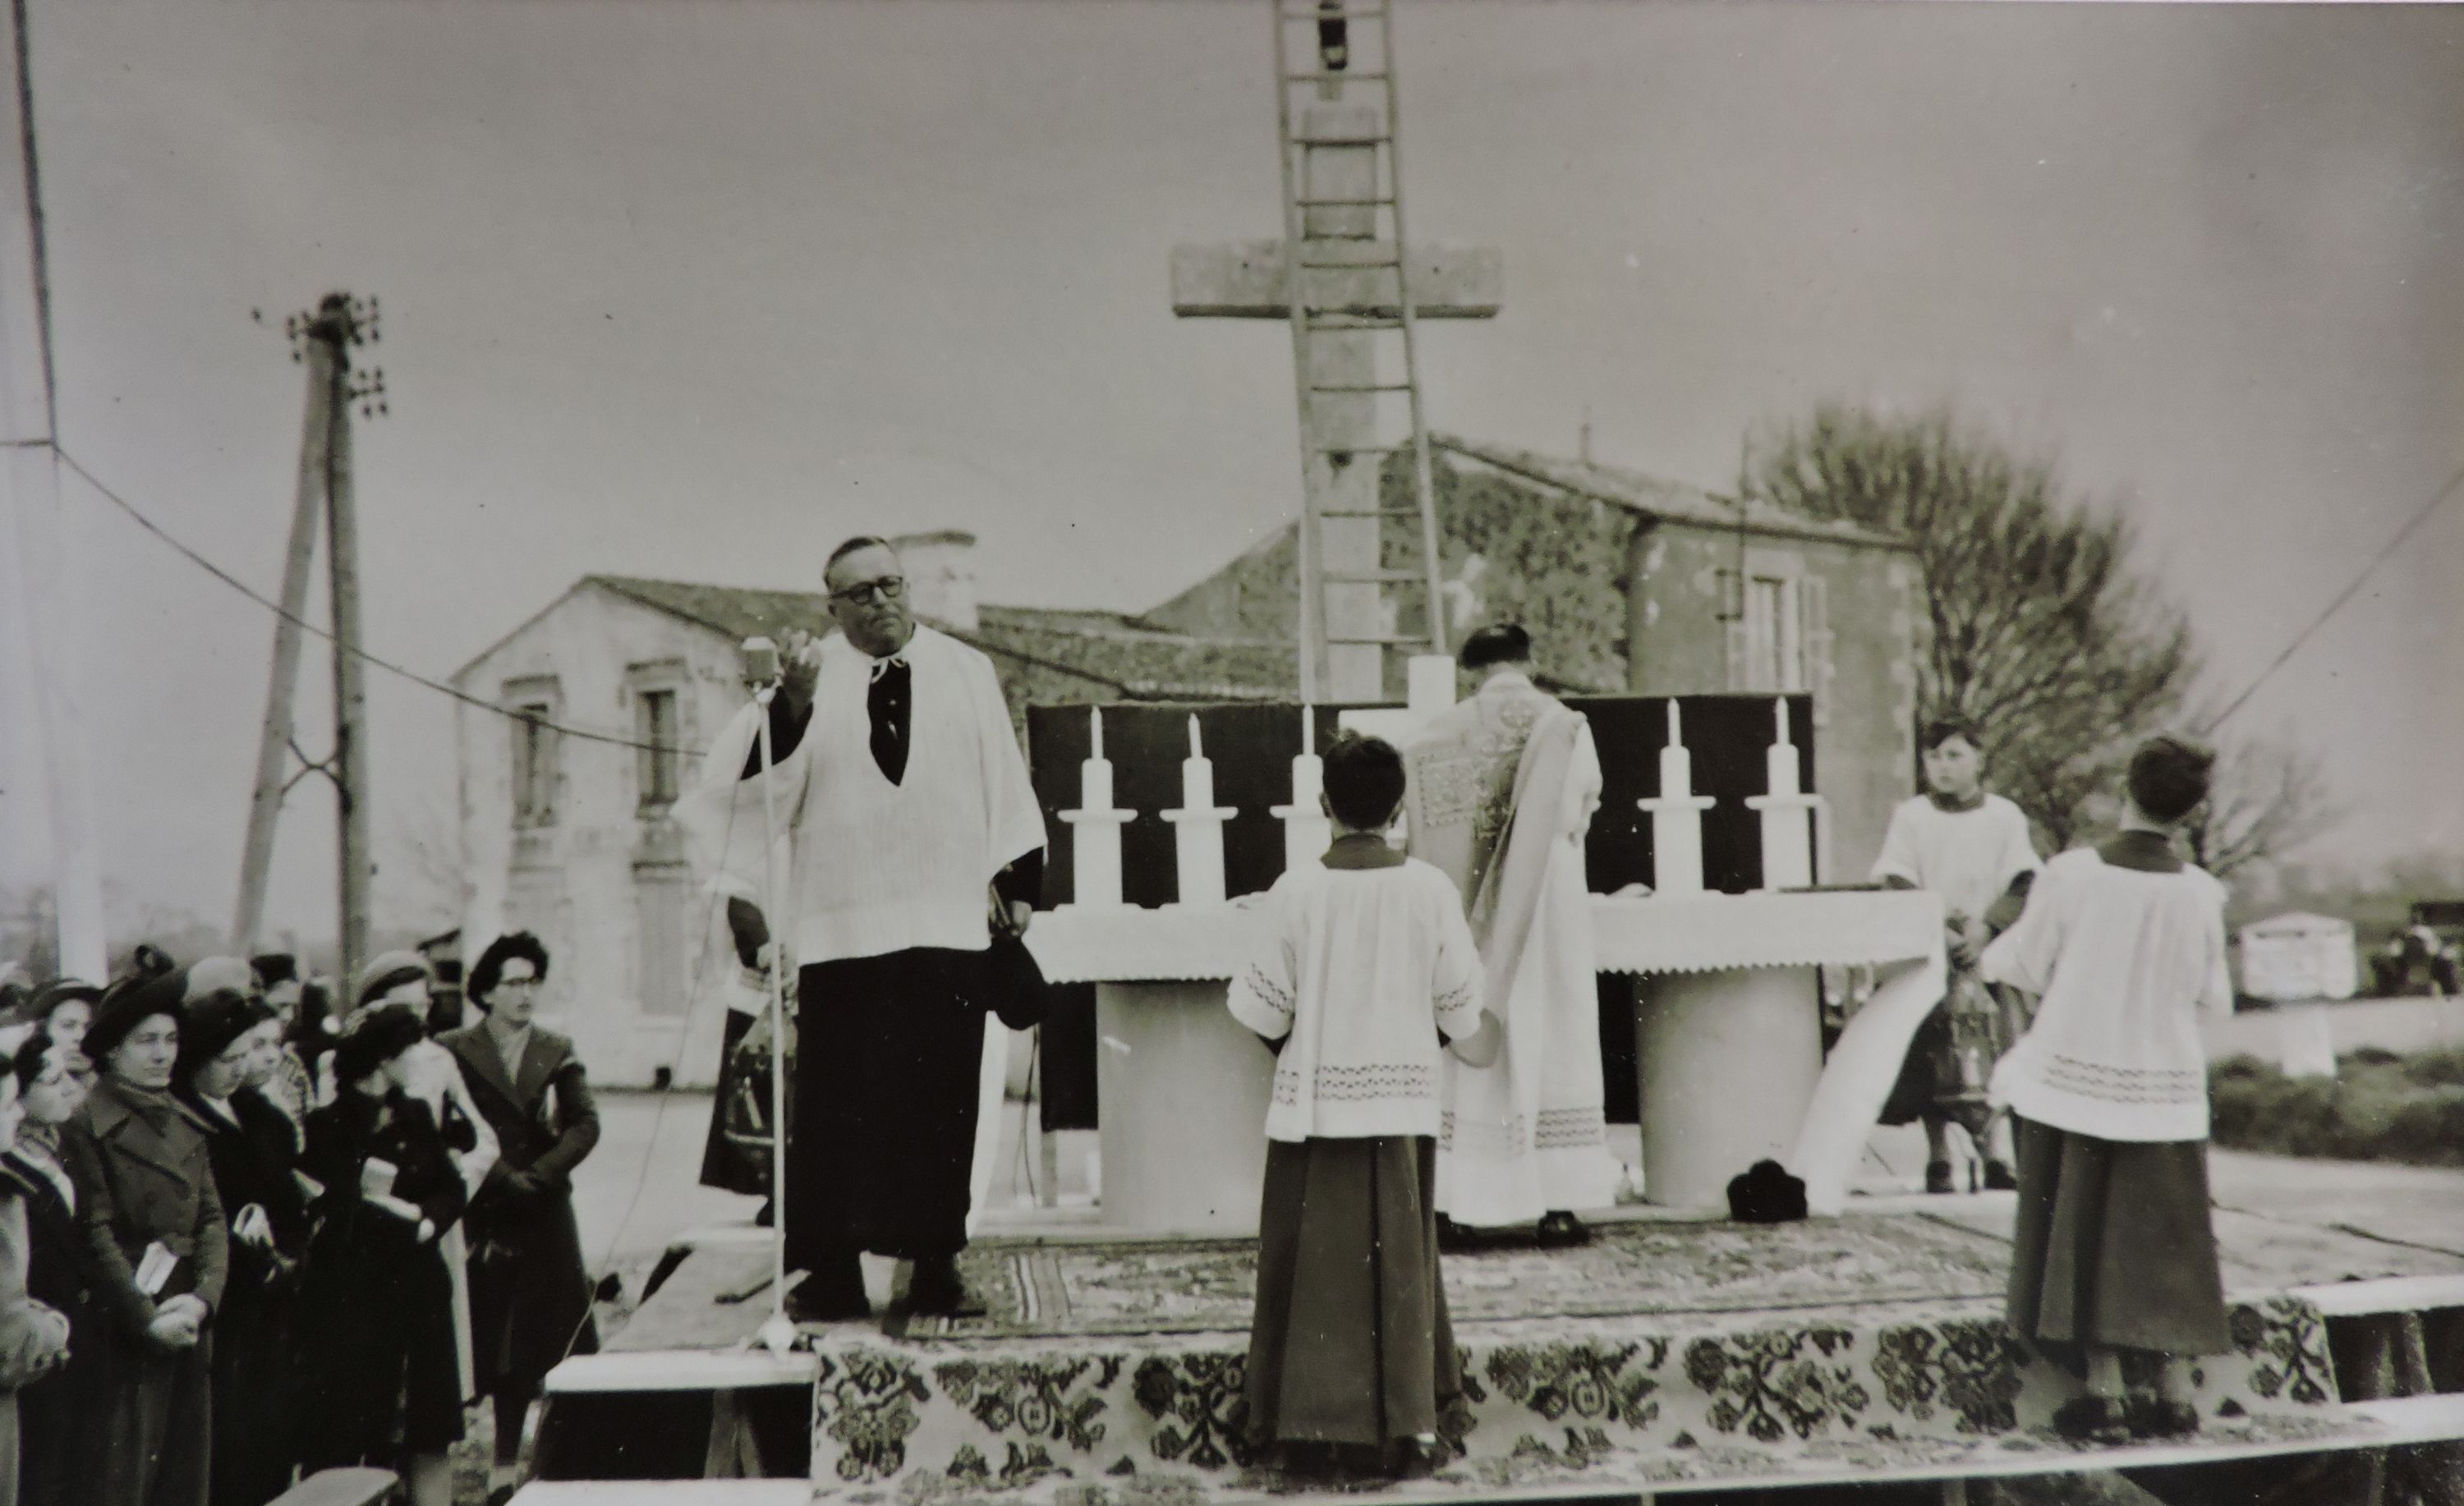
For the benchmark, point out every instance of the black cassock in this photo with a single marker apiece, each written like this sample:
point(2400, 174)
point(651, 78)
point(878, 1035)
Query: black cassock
point(888, 1052)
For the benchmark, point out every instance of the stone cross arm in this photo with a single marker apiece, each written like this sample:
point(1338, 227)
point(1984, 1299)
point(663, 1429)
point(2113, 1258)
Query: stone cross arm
point(1244, 281)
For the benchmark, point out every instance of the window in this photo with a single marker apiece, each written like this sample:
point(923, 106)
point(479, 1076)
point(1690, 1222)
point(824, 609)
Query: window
point(659, 764)
point(1778, 616)
point(536, 769)
point(1774, 639)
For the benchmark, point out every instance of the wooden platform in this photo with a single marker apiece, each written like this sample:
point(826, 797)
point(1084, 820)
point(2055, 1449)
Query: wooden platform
point(690, 1357)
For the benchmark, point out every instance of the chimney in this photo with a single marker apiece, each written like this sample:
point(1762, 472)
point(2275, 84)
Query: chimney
point(940, 575)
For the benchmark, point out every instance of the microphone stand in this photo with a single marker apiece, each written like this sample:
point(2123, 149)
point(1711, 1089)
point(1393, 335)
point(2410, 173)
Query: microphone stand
point(777, 1332)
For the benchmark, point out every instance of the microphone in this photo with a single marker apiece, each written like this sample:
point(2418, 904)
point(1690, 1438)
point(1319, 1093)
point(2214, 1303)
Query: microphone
point(760, 661)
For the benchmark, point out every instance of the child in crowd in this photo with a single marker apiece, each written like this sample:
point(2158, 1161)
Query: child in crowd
point(1363, 964)
point(2114, 1249)
point(1971, 848)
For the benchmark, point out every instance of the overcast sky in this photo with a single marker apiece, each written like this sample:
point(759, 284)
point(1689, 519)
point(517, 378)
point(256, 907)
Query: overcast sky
point(693, 289)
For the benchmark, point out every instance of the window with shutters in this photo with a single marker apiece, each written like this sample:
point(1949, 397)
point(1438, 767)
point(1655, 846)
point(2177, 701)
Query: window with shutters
point(1775, 644)
point(658, 761)
point(1778, 616)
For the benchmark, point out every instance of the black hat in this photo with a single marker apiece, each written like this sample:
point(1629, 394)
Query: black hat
point(207, 1027)
point(130, 1003)
point(274, 967)
point(381, 1038)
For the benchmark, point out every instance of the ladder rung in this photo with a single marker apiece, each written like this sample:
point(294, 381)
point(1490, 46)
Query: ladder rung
point(1362, 449)
point(1365, 387)
point(1385, 640)
point(1369, 577)
point(1382, 265)
point(1344, 204)
point(1335, 13)
point(1370, 511)
point(1355, 325)
point(1344, 77)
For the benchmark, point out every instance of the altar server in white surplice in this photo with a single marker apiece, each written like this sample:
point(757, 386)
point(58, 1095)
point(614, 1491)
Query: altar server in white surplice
point(1502, 787)
point(908, 823)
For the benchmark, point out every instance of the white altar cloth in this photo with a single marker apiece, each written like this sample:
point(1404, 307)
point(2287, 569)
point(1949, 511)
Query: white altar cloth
point(1897, 931)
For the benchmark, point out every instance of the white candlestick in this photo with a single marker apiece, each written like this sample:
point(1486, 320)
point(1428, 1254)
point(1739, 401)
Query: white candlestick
point(1786, 812)
point(1307, 831)
point(1676, 818)
point(1429, 683)
point(1095, 827)
point(1198, 827)
point(1308, 730)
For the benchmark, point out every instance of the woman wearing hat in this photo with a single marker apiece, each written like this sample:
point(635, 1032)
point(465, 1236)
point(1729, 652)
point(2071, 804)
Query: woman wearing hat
point(226, 1053)
point(55, 1413)
point(530, 1294)
point(34, 1335)
point(146, 1202)
point(401, 982)
point(377, 1316)
point(62, 1009)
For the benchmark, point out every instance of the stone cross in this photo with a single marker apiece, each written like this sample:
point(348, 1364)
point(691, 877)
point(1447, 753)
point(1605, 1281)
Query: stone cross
point(1340, 431)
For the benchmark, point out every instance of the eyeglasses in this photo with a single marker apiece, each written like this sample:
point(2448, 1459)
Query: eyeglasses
point(863, 593)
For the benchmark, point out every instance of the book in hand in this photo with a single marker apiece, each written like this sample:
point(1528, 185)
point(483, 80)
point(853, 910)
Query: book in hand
point(154, 1269)
point(376, 1178)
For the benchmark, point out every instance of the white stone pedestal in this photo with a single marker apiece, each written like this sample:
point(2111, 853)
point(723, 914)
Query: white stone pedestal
point(1727, 1062)
point(1183, 1087)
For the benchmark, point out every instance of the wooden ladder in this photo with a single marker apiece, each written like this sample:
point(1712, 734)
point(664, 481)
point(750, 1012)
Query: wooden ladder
point(1355, 349)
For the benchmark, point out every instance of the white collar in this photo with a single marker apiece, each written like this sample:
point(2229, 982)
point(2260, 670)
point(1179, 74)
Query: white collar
point(903, 655)
point(1506, 680)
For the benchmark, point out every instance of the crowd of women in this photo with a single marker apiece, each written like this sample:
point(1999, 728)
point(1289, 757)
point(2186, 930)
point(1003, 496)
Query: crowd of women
point(246, 1234)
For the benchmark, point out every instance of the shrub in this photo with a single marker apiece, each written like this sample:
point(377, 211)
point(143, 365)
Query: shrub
point(2381, 1107)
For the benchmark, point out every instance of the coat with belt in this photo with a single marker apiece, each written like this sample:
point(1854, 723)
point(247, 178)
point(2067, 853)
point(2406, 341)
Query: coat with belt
point(145, 1178)
point(530, 1292)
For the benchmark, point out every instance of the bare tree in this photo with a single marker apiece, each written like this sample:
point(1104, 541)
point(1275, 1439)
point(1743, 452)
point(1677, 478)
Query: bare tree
point(2044, 633)
point(2268, 799)
point(421, 872)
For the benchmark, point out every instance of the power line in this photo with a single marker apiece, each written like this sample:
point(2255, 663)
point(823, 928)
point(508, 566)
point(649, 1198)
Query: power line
point(2437, 498)
point(1121, 688)
point(78, 466)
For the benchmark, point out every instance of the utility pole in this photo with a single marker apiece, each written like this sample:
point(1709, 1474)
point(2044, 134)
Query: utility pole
point(322, 341)
point(33, 555)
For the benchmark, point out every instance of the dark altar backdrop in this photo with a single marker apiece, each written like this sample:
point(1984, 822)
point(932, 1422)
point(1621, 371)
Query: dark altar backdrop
point(1251, 747)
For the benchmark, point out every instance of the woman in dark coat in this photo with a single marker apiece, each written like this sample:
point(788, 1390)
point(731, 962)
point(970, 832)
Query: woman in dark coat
point(530, 1293)
point(156, 1236)
point(34, 1335)
point(378, 1304)
point(53, 1412)
point(226, 1048)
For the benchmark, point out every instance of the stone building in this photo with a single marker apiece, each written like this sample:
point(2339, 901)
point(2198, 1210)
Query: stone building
point(568, 835)
point(1632, 583)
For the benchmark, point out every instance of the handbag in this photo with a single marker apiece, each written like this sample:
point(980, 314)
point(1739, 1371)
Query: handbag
point(1014, 986)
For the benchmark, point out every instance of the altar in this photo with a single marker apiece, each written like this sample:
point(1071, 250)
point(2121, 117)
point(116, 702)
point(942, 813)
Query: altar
point(1728, 1016)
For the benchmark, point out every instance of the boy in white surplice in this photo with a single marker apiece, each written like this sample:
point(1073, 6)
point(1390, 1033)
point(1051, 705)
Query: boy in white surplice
point(1361, 966)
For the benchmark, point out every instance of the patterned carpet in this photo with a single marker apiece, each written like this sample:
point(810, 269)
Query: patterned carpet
point(1059, 1288)
point(1606, 1402)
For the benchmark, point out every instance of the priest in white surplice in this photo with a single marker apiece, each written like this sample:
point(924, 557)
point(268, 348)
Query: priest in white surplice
point(908, 829)
point(1503, 787)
